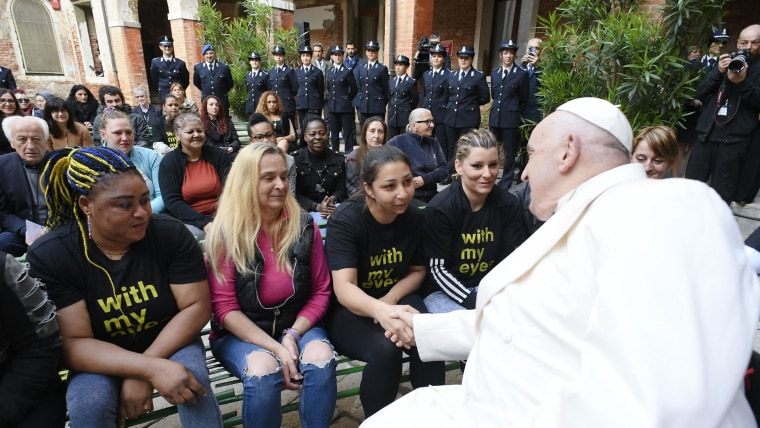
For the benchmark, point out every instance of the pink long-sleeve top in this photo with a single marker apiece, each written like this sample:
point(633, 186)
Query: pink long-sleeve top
point(275, 286)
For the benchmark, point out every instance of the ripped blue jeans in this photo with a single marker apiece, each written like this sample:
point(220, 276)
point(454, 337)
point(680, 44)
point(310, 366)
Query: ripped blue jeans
point(261, 394)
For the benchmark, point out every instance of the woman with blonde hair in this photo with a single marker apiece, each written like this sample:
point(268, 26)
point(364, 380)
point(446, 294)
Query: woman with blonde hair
point(656, 148)
point(270, 106)
point(270, 288)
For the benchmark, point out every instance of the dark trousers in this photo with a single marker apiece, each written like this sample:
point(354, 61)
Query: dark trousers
point(12, 243)
point(395, 130)
point(452, 136)
point(361, 339)
point(291, 115)
point(719, 163)
point(50, 410)
point(440, 135)
point(342, 122)
point(364, 116)
point(509, 138)
point(748, 183)
point(303, 112)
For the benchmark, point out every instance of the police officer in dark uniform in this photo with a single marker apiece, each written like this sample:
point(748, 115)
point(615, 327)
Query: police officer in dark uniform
point(372, 84)
point(403, 97)
point(509, 90)
point(213, 77)
point(167, 69)
point(6, 79)
point(341, 90)
point(256, 83)
point(311, 85)
point(435, 91)
point(468, 90)
point(282, 80)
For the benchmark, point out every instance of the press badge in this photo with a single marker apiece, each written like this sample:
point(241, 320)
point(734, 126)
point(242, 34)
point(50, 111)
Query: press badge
point(723, 111)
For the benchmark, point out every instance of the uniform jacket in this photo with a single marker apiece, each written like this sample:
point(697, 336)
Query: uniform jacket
point(435, 93)
point(465, 98)
point(311, 89)
point(569, 331)
point(529, 110)
point(403, 99)
point(372, 87)
point(163, 73)
point(217, 82)
point(16, 199)
point(509, 95)
point(285, 85)
point(6, 79)
point(341, 89)
point(740, 122)
point(255, 84)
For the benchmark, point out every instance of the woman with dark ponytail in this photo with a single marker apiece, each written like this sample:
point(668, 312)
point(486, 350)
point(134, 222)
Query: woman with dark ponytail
point(131, 293)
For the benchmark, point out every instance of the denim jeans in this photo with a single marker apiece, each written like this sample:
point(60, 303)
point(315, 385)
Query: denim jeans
point(440, 302)
point(261, 394)
point(93, 399)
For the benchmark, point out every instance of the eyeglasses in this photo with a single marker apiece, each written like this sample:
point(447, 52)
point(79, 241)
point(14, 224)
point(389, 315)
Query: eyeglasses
point(23, 100)
point(7, 101)
point(261, 137)
point(429, 122)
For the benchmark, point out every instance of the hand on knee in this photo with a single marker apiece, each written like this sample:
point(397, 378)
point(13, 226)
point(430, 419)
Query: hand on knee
point(261, 364)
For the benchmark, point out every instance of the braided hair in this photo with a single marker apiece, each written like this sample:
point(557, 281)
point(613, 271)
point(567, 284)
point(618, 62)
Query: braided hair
point(74, 172)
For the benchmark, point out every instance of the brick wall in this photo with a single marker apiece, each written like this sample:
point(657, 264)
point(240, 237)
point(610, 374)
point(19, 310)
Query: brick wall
point(188, 48)
point(128, 54)
point(455, 20)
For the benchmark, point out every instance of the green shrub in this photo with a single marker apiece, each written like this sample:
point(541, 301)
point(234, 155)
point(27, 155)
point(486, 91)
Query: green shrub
point(617, 51)
point(235, 38)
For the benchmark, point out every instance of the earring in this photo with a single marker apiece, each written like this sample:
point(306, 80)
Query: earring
point(89, 227)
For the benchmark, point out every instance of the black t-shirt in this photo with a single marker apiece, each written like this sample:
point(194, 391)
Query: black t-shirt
point(466, 244)
point(134, 314)
point(381, 253)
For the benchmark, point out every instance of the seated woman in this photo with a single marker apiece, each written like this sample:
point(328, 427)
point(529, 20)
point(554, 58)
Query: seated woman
point(429, 164)
point(9, 106)
point(220, 131)
point(116, 133)
point(284, 131)
point(26, 104)
point(64, 131)
point(186, 105)
point(192, 177)
point(130, 290)
point(83, 104)
point(372, 136)
point(470, 226)
point(374, 250)
point(320, 172)
point(164, 139)
point(270, 288)
point(656, 148)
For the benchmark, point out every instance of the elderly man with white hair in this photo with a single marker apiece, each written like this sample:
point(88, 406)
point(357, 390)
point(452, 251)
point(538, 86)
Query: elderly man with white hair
point(632, 306)
point(21, 198)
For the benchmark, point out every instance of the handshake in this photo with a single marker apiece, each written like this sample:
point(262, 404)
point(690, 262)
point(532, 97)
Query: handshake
point(397, 322)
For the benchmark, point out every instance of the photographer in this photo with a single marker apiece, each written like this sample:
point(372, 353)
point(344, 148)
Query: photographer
point(422, 56)
point(731, 96)
point(530, 63)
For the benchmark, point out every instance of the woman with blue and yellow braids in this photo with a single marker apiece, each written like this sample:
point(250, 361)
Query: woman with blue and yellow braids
point(131, 291)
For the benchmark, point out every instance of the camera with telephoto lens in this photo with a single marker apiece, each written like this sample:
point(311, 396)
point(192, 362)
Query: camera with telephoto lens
point(738, 60)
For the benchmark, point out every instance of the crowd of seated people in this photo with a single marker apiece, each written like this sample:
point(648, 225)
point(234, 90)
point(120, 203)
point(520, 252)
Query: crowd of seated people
point(281, 301)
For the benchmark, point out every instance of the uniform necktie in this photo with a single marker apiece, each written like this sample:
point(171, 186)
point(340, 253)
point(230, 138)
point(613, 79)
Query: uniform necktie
point(461, 75)
point(530, 69)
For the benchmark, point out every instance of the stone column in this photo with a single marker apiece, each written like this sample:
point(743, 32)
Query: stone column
point(183, 18)
point(126, 44)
